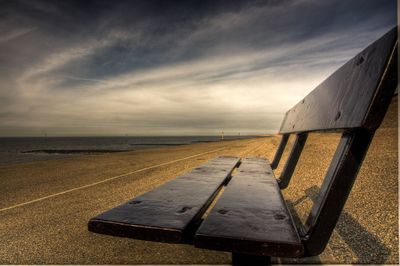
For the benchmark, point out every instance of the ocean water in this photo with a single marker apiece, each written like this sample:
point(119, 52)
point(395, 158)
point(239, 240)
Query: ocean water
point(27, 149)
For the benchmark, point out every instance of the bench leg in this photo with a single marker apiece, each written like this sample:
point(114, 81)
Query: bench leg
point(244, 259)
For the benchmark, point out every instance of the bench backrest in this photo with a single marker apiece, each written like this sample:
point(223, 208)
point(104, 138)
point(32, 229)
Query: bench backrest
point(350, 98)
point(353, 100)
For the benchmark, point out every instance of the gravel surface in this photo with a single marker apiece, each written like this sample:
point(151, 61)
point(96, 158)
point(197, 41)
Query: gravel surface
point(53, 230)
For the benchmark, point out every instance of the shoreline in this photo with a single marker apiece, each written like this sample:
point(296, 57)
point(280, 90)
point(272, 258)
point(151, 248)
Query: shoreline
point(22, 150)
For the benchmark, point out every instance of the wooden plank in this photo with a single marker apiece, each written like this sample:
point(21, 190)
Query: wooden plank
point(251, 216)
point(345, 98)
point(168, 213)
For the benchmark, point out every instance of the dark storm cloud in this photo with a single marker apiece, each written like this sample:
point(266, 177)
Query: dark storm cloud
point(155, 64)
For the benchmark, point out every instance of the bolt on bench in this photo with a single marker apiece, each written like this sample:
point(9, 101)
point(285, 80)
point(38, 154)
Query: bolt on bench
point(250, 218)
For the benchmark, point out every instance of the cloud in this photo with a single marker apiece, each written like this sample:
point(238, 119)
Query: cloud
point(15, 33)
point(154, 68)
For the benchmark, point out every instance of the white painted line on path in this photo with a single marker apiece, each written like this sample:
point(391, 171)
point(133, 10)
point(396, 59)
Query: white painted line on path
point(106, 180)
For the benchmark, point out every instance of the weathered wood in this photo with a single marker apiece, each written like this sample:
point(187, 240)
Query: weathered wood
point(168, 213)
point(344, 99)
point(251, 216)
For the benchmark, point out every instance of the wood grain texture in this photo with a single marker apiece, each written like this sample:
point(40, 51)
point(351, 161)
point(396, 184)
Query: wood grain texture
point(344, 99)
point(167, 213)
point(251, 216)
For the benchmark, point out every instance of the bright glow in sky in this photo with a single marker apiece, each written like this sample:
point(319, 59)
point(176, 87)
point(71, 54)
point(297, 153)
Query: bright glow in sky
point(172, 68)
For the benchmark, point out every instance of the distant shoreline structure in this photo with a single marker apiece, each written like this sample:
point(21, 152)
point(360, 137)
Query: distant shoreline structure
point(28, 149)
point(142, 136)
point(100, 151)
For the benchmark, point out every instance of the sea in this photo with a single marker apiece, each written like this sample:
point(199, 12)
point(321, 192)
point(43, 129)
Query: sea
point(27, 149)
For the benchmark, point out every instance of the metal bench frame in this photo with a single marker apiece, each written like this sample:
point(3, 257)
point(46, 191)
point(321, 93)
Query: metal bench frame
point(353, 146)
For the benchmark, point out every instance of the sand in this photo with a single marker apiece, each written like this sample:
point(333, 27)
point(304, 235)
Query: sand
point(53, 229)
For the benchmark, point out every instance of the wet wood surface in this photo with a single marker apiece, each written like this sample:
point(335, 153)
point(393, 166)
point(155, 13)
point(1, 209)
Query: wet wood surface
point(251, 216)
point(168, 213)
point(345, 98)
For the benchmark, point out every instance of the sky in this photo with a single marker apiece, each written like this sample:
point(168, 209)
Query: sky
point(98, 68)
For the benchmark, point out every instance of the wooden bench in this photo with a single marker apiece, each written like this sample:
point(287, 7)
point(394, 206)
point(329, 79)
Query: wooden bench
point(250, 218)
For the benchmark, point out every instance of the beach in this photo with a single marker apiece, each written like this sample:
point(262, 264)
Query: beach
point(45, 205)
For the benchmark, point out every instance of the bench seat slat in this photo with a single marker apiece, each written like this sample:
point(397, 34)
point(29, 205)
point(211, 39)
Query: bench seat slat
point(166, 213)
point(251, 216)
